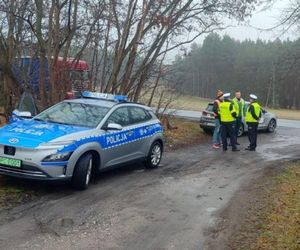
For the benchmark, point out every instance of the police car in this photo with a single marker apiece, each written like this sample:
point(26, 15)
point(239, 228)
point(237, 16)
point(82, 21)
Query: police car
point(76, 138)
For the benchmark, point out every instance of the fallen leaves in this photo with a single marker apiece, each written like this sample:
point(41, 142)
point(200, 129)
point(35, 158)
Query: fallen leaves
point(282, 225)
point(184, 133)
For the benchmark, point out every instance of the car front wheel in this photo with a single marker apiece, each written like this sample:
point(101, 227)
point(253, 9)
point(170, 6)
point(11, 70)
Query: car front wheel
point(154, 156)
point(83, 172)
point(272, 126)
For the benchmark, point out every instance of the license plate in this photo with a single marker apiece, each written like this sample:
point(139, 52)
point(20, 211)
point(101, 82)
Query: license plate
point(10, 162)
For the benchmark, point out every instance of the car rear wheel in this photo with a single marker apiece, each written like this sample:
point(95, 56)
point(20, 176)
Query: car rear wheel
point(83, 172)
point(208, 131)
point(154, 156)
point(272, 126)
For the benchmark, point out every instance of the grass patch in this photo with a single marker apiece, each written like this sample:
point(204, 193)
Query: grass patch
point(281, 229)
point(12, 193)
point(184, 133)
point(286, 113)
point(186, 102)
point(266, 215)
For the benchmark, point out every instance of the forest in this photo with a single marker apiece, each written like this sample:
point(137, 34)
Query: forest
point(269, 69)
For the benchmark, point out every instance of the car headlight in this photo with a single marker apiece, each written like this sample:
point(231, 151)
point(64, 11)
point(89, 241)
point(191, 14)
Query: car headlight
point(57, 157)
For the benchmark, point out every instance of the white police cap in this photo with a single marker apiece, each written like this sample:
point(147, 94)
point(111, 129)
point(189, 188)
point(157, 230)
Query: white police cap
point(226, 95)
point(253, 97)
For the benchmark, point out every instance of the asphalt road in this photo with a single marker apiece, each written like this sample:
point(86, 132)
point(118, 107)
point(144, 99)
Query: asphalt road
point(195, 115)
point(172, 207)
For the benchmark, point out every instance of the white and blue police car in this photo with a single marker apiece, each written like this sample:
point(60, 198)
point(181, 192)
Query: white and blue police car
point(76, 138)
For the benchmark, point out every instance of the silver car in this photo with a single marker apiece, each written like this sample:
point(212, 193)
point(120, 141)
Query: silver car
point(268, 122)
point(75, 138)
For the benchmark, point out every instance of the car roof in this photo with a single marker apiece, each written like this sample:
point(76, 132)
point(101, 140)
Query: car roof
point(96, 102)
point(104, 103)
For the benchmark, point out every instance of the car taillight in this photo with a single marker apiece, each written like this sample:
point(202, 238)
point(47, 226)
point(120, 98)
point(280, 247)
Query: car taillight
point(69, 95)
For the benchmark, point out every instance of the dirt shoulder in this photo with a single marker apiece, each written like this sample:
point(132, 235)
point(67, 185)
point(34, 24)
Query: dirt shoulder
point(263, 214)
point(184, 133)
point(14, 192)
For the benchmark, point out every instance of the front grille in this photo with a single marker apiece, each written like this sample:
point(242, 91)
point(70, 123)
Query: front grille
point(8, 150)
point(24, 170)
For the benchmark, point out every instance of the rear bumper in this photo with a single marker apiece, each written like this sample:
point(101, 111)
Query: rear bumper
point(207, 124)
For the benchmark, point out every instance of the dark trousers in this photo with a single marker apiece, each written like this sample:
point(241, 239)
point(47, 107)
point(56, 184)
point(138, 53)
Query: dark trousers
point(252, 134)
point(238, 124)
point(228, 128)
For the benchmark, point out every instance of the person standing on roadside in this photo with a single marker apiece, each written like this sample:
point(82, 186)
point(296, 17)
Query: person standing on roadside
point(253, 115)
point(217, 130)
point(239, 105)
point(227, 116)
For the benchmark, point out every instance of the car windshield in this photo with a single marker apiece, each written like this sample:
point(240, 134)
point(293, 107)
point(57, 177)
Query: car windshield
point(76, 114)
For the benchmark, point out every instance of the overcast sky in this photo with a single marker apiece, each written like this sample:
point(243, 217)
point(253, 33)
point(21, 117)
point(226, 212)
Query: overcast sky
point(261, 19)
point(255, 27)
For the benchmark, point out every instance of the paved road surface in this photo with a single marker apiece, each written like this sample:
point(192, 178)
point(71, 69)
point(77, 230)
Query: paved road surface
point(172, 207)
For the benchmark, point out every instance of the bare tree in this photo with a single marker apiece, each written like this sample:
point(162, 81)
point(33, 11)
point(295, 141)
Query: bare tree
point(124, 40)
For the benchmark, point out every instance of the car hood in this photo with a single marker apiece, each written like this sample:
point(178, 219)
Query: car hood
point(31, 133)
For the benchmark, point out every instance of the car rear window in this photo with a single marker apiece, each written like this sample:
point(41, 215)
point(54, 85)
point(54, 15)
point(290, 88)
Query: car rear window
point(210, 107)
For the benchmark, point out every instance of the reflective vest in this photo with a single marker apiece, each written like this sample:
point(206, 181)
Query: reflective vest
point(237, 106)
point(257, 110)
point(225, 114)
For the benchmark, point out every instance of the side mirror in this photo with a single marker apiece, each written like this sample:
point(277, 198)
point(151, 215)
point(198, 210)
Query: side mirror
point(113, 126)
point(264, 111)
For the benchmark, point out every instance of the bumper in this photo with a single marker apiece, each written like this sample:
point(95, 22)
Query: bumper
point(207, 125)
point(31, 173)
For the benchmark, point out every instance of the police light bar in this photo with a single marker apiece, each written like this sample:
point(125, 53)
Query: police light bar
point(104, 96)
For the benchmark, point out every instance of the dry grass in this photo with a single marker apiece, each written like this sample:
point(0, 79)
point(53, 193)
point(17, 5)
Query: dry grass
point(178, 101)
point(195, 103)
point(13, 193)
point(187, 102)
point(286, 113)
point(185, 133)
point(282, 225)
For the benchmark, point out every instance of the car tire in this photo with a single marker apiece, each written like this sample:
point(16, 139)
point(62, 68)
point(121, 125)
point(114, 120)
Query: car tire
point(241, 130)
point(272, 126)
point(207, 131)
point(82, 172)
point(154, 155)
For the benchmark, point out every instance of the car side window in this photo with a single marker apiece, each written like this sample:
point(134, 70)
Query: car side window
point(139, 115)
point(119, 116)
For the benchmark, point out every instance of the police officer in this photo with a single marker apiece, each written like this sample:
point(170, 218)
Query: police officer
point(239, 105)
point(253, 115)
point(227, 116)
